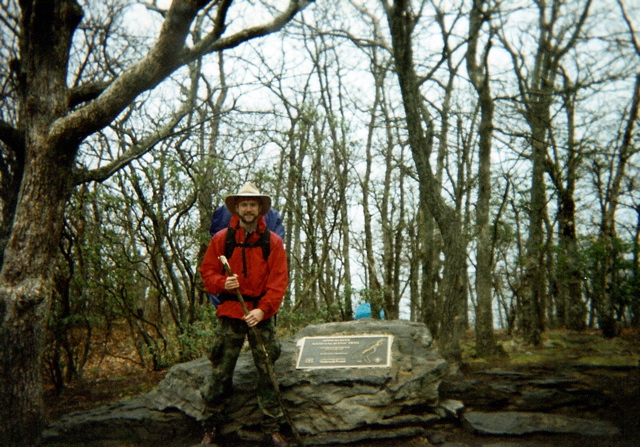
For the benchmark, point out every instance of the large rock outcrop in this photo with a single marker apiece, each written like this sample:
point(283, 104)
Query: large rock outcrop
point(524, 423)
point(328, 406)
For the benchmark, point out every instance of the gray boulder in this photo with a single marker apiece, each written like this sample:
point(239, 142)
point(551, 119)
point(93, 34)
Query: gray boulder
point(515, 423)
point(333, 405)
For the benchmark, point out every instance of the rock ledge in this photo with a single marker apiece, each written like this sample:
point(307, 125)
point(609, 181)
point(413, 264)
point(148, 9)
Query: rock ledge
point(328, 406)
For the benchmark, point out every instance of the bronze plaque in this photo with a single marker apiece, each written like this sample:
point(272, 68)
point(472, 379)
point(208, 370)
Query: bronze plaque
point(345, 351)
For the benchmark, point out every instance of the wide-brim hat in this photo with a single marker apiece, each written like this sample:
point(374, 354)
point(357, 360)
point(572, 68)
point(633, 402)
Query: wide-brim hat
point(248, 191)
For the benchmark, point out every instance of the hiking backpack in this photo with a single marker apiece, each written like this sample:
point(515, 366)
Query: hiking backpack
point(264, 242)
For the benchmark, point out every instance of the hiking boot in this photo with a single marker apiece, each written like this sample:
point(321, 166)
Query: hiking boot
point(209, 438)
point(277, 440)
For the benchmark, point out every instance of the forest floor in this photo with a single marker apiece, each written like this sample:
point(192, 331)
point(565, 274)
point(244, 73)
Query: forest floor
point(615, 366)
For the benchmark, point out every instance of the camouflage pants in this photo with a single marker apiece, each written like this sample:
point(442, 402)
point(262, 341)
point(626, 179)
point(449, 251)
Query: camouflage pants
point(229, 337)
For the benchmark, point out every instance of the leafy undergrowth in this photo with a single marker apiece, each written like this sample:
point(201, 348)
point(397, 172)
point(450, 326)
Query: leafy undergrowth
point(111, 373)
point(561, 349)
point(113, 381)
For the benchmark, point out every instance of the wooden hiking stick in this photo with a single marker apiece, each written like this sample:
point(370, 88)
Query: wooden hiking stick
point(268, 363)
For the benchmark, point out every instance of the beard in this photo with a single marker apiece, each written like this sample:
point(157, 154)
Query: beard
point(248, 218)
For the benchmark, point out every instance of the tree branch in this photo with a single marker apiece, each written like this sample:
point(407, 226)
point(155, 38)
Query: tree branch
point(213, 42)
point(87, 92)
point(136, 151)
point(168, 54)
point(163, 58)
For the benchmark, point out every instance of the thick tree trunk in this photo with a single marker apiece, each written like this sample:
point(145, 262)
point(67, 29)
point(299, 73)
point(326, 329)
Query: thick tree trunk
point(539, 99)
point(23, 311)
point(533, 309)
point(572, 311)
point(26, 277)
point(430, 265)
point(48, 132)
point(25, 293)
point(635, 304)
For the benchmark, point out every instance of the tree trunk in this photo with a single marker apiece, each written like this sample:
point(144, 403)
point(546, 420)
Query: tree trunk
point(454, 291)
point(49, 136)
point(534, 306)
point(572, 311)
point(26, 289)
point(430, 266)
point(605, 303)
point(537, 93)
point(635, 304)
point(373, 284)
point(26, 280)
point(485, 338)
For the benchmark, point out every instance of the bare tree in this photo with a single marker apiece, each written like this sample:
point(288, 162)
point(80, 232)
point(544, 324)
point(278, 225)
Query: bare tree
point(336, 131)
point(537, 91)
point(626, 147)
point(47, 134)
point(401, 19)
point(610, 191)
point(480, 78)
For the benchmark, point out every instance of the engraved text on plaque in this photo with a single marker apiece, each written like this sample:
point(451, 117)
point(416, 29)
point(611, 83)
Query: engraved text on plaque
point(348, 351)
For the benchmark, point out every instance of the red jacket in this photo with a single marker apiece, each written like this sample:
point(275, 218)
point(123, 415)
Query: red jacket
point(269, 277)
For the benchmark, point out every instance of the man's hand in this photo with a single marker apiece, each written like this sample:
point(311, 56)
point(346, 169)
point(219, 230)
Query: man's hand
point(254, 317)
point(231, 283)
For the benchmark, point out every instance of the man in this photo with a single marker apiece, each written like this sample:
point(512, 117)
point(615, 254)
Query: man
point(263, 283)
point(220, 220)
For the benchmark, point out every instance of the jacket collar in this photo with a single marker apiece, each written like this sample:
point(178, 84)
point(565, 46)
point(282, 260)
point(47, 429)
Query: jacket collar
point(235, 223)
